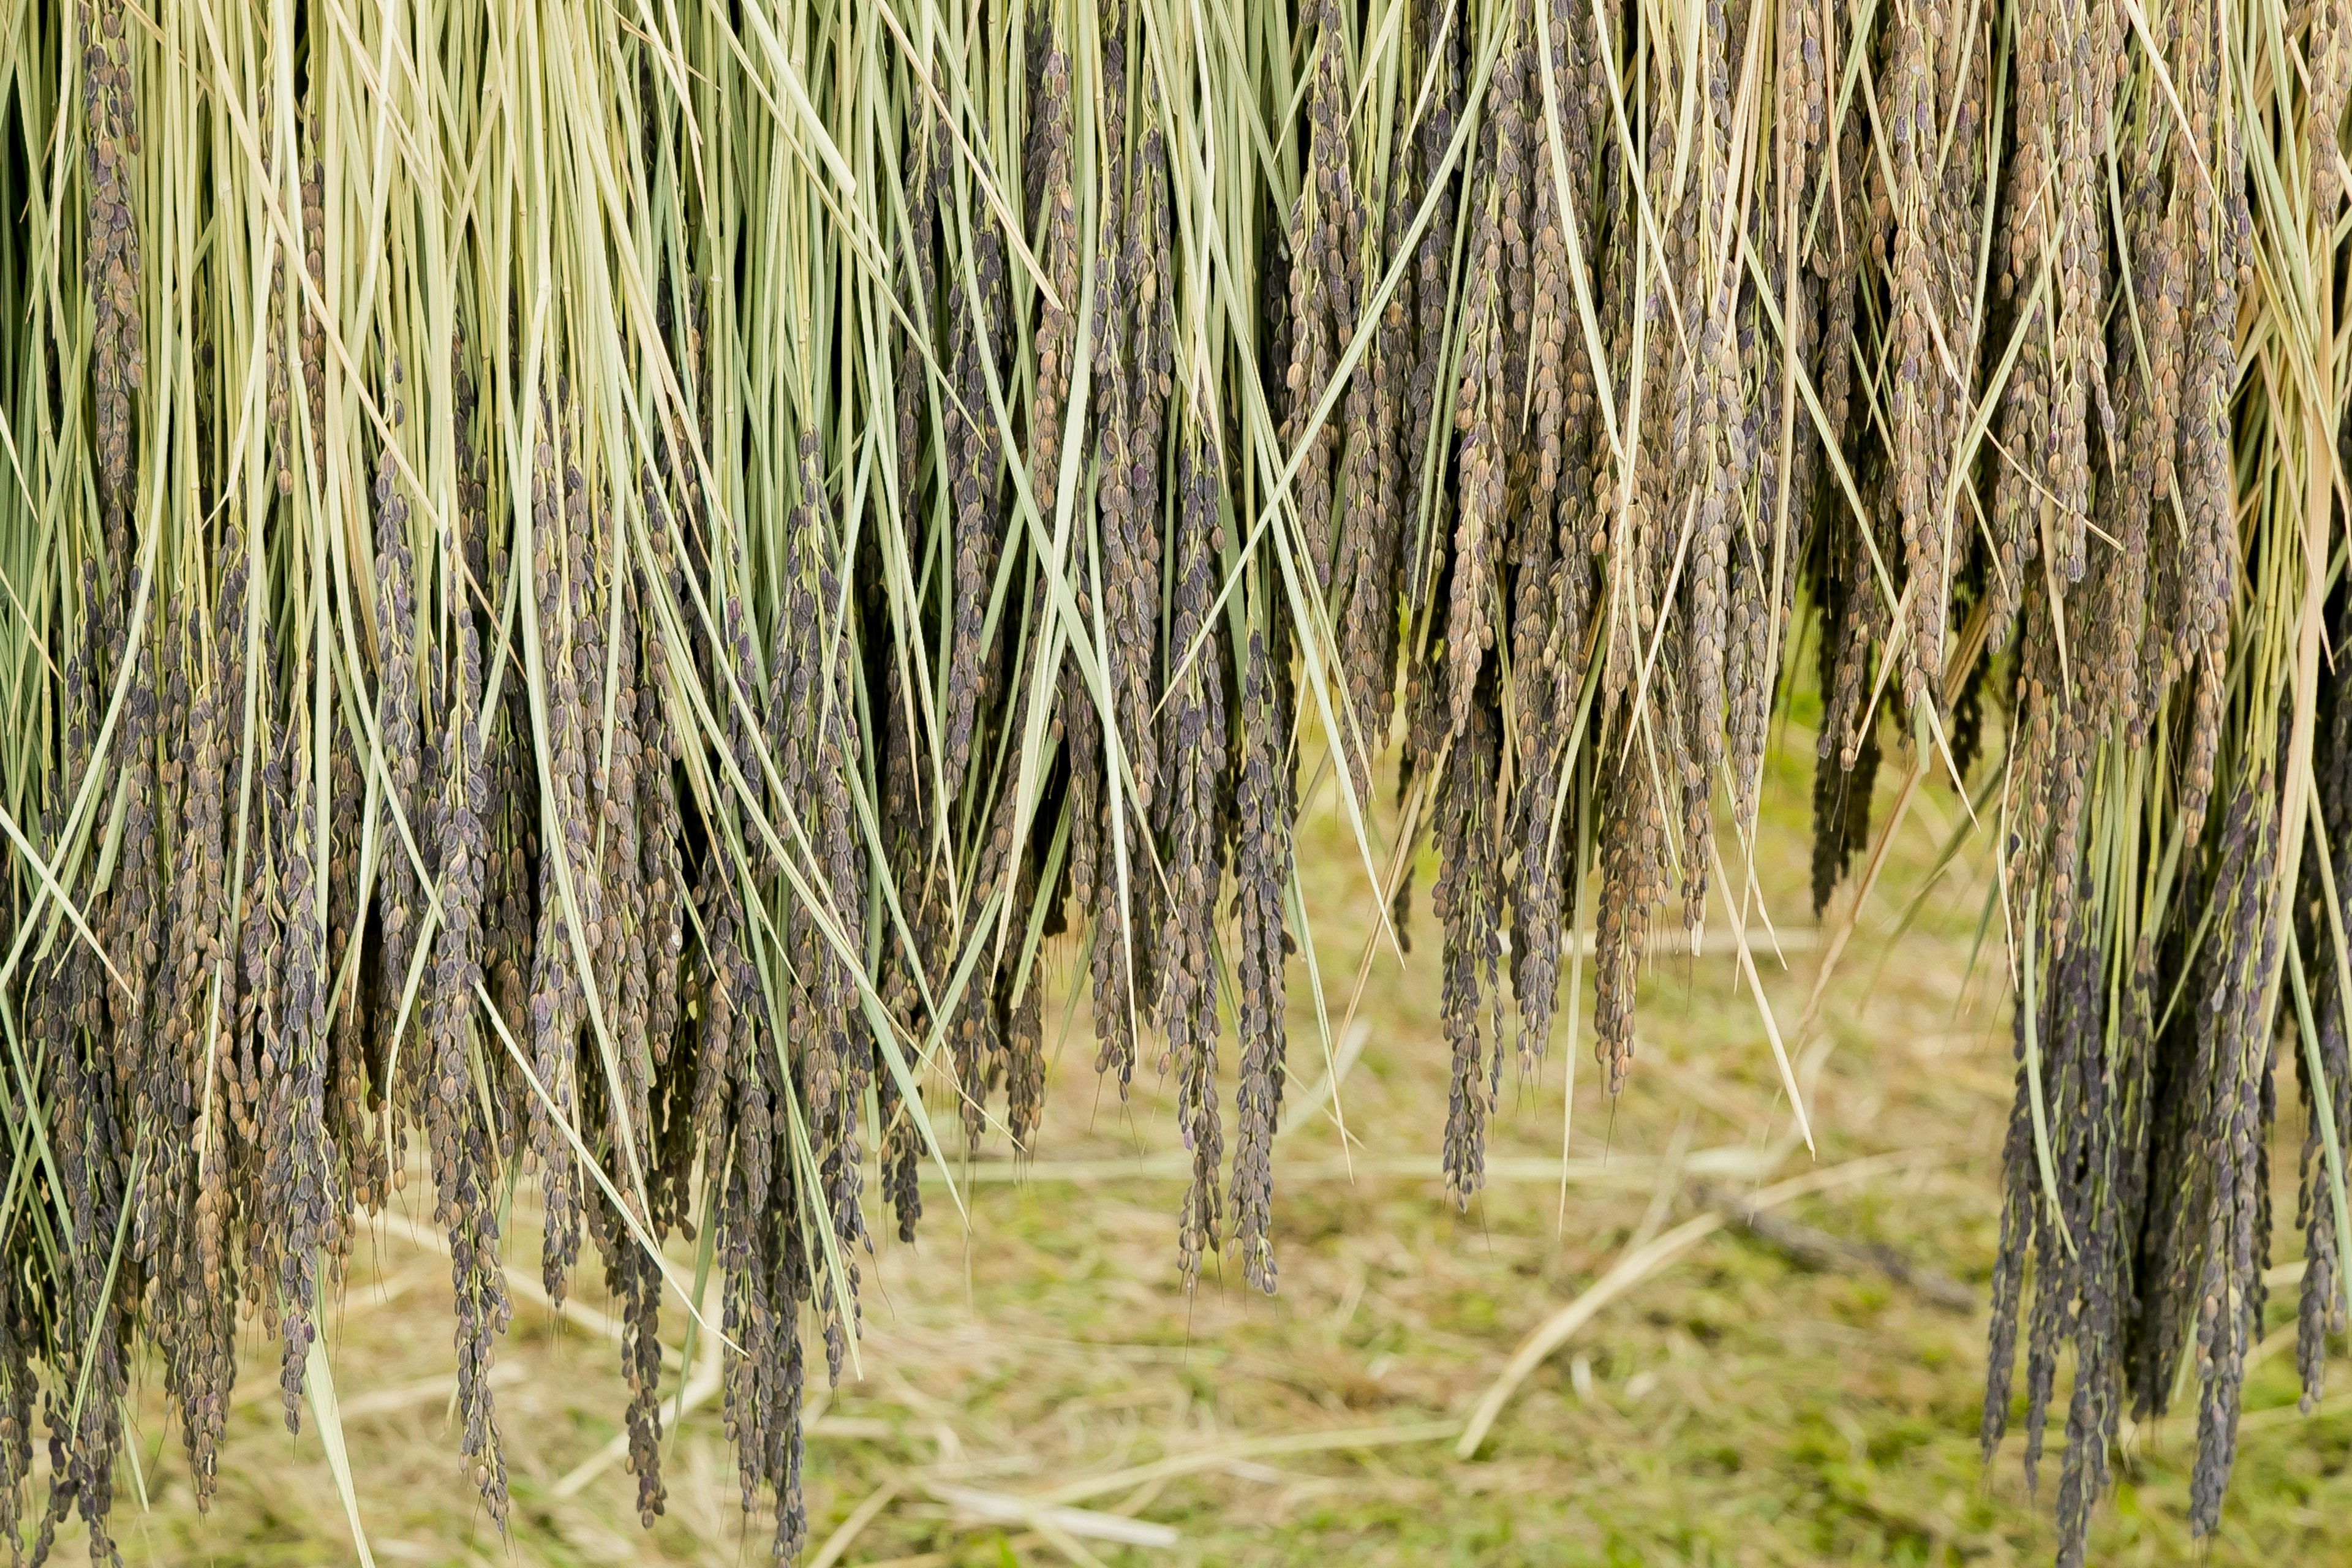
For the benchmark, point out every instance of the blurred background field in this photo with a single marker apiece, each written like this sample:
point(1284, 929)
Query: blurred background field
point(1735, 1406)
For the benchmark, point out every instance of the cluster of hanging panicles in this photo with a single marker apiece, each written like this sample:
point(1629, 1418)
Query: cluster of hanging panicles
point(635, 780)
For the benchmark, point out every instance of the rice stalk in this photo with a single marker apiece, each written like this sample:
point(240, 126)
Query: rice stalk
point(625, 596)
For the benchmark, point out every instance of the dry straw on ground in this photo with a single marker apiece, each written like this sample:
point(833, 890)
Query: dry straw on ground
point(590, 590)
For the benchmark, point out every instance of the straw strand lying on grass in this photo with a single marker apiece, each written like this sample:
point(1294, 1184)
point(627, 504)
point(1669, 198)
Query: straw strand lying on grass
point(1818, 1249)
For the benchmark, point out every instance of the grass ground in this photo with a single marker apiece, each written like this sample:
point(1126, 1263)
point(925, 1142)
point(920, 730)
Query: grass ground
point(1731, 1408)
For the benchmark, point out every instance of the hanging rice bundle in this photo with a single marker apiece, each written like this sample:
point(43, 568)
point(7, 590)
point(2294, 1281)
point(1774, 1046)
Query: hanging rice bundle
point(591, 599)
